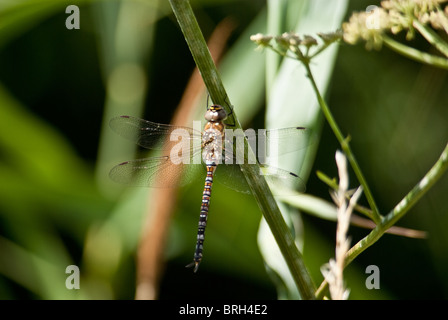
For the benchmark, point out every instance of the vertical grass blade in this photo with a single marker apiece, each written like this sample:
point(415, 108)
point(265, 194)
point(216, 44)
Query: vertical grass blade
point(260, 189)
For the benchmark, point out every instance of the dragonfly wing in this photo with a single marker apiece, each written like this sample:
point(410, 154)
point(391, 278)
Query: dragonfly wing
point(158, 172)
point(282, 182)
point(266, 144)
point(232, 177)
point(287, 140)
point(148, 134)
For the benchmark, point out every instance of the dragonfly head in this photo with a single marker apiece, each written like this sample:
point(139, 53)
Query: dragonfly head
point(215, 113)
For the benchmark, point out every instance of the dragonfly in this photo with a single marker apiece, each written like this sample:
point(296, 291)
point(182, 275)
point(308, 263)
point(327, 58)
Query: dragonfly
point(192, 149)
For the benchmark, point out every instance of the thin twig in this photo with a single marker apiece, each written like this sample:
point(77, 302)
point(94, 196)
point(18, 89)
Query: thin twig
point(415, 54)
point(431, 36)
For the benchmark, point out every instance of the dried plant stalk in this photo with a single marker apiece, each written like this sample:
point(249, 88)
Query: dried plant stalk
point(333, 270)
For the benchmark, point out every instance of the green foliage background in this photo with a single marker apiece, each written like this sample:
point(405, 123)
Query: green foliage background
point(58, 208)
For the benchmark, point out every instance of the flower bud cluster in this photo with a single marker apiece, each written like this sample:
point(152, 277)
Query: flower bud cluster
point(394, 16)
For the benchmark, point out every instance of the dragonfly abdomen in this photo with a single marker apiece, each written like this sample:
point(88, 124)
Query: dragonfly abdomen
point(203, 217)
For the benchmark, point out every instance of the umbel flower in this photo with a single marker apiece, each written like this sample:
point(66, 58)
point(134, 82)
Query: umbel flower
point(394, 16)
point(294, 46)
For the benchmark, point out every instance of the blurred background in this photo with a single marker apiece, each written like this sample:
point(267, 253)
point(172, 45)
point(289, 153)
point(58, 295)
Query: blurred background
point(60, 87)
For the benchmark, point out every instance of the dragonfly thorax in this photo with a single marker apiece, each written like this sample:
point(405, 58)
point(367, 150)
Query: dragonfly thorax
point(212, 142)
point(213, 135)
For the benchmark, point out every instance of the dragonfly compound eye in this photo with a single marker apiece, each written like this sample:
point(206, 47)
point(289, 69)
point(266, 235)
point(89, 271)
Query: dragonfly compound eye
point(215, 114)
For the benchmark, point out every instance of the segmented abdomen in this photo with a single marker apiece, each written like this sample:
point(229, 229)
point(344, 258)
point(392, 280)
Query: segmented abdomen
point(203, 215)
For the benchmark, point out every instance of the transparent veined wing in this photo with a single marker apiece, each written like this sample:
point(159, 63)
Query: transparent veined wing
point(282, 182)
point(168, 172)
point(148, 134)
point(156, 172)
point(268, 143)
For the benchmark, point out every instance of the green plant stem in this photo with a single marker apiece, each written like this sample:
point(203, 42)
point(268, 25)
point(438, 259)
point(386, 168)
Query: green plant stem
point(403, 206)
point(201, 55)
point(431, 36)
point(195, 40)
point(415, 54)
point(280, 230)
point(275, 9)
point(320, 50)
point(433, 175)
point(345, 146)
